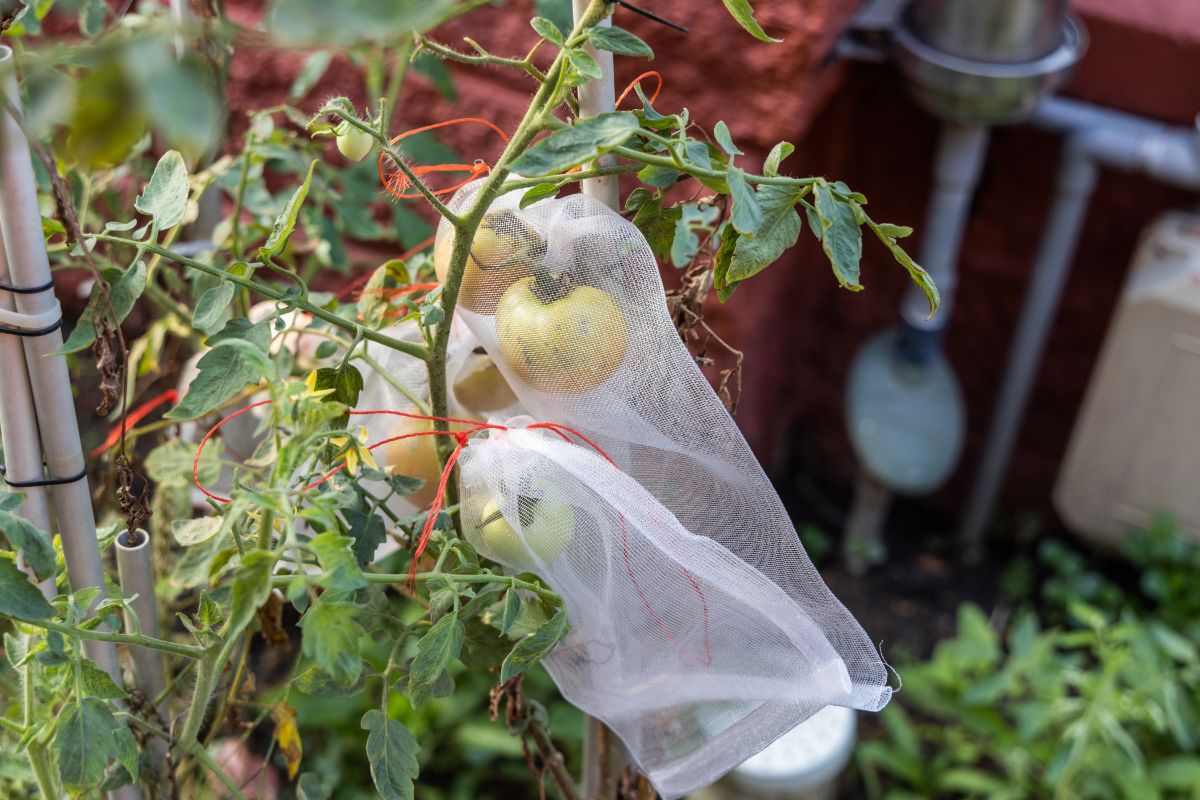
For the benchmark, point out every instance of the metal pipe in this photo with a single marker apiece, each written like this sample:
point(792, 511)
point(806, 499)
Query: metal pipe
point(1097, 137)
point(135, 568)
point(961, 152)
point(18, 425)
point(21, 231)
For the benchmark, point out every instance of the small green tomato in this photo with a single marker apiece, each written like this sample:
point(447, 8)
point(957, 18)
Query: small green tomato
point(353, 143)
point(547, 527)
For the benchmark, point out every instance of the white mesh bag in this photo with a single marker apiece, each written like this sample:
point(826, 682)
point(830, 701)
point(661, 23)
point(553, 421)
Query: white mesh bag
point(700, 630)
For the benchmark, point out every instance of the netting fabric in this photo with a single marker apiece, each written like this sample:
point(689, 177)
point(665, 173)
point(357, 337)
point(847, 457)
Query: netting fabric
point(699, 629)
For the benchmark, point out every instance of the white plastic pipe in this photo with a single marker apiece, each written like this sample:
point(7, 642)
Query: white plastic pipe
point(961, 152)
point(1097, 137)
point(21, 231)
point(18, 424)
point(135, 566)
point(603, 754)
point(599, 97)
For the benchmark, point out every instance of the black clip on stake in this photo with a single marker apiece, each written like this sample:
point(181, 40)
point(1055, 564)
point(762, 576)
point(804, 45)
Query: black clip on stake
point(45, 287)
point(647, 14)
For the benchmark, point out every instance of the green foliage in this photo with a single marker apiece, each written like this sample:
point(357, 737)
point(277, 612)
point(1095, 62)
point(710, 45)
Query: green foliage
point(1106, 704)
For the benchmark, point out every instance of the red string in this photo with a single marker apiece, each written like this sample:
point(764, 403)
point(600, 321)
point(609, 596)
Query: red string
point(395, 181)
point(133, 418)
point(462, 437)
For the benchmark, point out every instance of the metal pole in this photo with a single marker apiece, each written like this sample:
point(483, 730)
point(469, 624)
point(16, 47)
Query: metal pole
point(604, 757)
point(1076, 181)
point(961, 152)
point(21, 231)
point(18, 424)
point(135, 566)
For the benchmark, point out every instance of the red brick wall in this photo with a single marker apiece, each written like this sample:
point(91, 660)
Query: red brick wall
point(798, 330)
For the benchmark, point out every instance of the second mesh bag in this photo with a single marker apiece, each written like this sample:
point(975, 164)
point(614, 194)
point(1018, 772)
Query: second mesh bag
point(566, 297)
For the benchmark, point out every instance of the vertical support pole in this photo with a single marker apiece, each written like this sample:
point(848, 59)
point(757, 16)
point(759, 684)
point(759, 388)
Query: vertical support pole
point(135, 567)
point(21, 231)
point(18, 424)
point(599, 97)
point(604, 757)
point(1076, 181)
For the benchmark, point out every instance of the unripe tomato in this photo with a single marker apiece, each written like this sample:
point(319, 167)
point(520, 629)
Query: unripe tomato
point(353, 143)
point(503, 251)
point(415, 456)
point(480, 388)
point(546, 528)
point(558, 336)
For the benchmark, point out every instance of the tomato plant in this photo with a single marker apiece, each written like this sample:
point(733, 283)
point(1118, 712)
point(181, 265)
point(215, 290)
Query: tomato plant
point(282, 577)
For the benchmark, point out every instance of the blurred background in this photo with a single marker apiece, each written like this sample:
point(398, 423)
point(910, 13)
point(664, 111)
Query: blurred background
point(1015, 523)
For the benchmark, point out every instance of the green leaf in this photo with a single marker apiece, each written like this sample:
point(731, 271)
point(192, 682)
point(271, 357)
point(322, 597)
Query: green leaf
point(310, 72)
point(98, 683)
point(392, 754)
point(746, 212)
point(124, 288)
point(317, 682)
point(512, 607)
point(547, 30)
point(212, 305)
point(332, 637)
point(533, 649)
point(340, 567)
point(841, 238)
point(619, 41)
point(309, 787)
point(208, 613)
point(223, 372)
point(779, 229)
point(251, 588)
point(721, 132)
point(543, 191)
point(33, 545)
point(584, 63)
point(346, 382)
point(285, 223)
point(584, 141)
point(437, 648)
point(724, 287)
point(656, 223)
point(87, 735)
point(165, 196)
point(91, 17)
point(349, 22)
point(774, 158)
point(19, 598)
point(920, 277)
point(188, 532)
point(436, 70)
point(741, 11)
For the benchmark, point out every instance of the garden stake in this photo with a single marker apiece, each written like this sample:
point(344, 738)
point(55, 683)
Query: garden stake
point(603, 756)
point(38, 319)
point(18, 421)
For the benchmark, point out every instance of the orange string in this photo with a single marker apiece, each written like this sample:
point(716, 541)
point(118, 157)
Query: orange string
point(133, 418)
point(395, 181)
point(651, 74)
point(349, 288)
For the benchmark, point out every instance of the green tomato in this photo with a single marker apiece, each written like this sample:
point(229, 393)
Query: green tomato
point(353, 143)
point(547, 527)
point(558, 336)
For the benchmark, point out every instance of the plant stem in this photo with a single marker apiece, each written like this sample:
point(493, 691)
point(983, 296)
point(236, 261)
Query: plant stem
point(396, 578)
point(43, 772)
point(415, 350)
point(135, 639)
point(197, 750)
point(206, 682)
point(542, 105)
